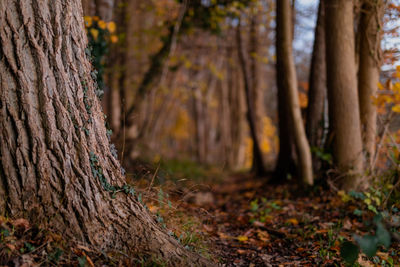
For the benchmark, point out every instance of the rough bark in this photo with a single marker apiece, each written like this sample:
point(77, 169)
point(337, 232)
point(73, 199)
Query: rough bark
point(258, 164)
point(368, 74)
point(344, 116)
point(287, 82)
point(317, 86)
point(56, 165)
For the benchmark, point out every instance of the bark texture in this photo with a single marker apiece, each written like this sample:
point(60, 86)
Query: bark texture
point(287, 82)
point(317, 83)
point(368, 74)
point(56, 164)
point(344, 116)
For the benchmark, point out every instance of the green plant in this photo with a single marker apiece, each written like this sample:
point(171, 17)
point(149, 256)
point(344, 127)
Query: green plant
point(100, 35)
point(368, 244)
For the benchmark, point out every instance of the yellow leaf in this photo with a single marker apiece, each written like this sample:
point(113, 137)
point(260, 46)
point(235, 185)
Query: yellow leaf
point(377, 201)
point(367, 201)
point(242, 238)
point(113, 39)
point(96, 18)
point(111, 27)
point(95, 33)
point(88, 21)
point(293, 221)
point(102, 24)
point(345, 197)
point(396, 108)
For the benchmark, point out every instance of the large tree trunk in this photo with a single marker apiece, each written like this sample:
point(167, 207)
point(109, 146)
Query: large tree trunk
point(287, 82)
point(317, 82)
point(258, 164)
point(56, 165)
point(370, 31)
point(344, 116)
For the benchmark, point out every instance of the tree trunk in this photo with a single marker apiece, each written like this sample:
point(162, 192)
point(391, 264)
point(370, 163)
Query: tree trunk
point(236, 111)
point(368, 74)
point(56, 165)
point(88, 7)
point(344, 116)
point(100, 8)
point(258, 164)
point(104, 9)
point(317, 83)
point(287, 82)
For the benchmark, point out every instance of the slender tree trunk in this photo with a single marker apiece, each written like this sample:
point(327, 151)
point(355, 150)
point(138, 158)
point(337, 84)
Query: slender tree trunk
point(256, 93)
point(198, 112)
point(258, 164)
point(56, 165)
point(344, 116)
point(89, 7)
point(368, 75)
point(236, 120)
point(101, 8)
point(104, 9)
point(285, 163)
point(317, 83)
point(287, 82)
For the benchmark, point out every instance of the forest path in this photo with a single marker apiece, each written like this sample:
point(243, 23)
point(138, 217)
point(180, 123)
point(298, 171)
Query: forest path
point(250, 223)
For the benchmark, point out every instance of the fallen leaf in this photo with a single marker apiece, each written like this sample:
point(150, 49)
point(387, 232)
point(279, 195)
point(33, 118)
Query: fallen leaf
point(241, 251)
point(223, 236)
point(293, 221)
point(259, 224)
point(263, 235)
point(21, 223)
point(242, 238)
point(208, 228)
point(84, 248)
point(383, 255)
point(10, 246)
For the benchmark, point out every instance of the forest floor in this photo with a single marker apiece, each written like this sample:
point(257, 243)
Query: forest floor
point(232, 219)
point(240, 220)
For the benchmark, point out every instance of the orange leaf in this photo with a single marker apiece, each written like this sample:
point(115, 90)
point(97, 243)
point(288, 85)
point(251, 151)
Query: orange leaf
point(293, 221)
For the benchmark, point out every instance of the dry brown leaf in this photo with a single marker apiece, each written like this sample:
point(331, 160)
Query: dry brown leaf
point(21, 223)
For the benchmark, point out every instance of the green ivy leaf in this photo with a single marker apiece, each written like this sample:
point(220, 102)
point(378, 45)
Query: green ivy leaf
point(383, 235)
point(368, 244)
point(349, 252)
point(358, 212)
point(82, 261)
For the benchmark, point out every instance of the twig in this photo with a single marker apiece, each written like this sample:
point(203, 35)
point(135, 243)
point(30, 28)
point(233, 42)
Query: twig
point(154, 176)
